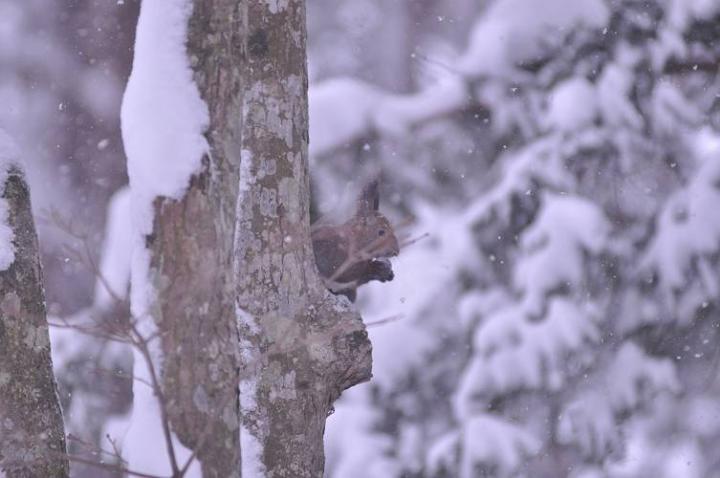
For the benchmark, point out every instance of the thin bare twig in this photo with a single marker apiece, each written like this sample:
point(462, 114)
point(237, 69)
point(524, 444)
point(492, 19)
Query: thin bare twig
point(130, 335)
point(90, 447)
point(354, 256)
point(115, 374)
point(96, 331)
point(108, 466)
point(116, 449)
point(386, 320)
point(410, 242)
point(144, 350)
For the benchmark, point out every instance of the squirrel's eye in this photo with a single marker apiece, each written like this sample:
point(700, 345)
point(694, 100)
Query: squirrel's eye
point(381, 232)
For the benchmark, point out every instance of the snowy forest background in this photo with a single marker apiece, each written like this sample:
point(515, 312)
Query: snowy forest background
point(563, 157)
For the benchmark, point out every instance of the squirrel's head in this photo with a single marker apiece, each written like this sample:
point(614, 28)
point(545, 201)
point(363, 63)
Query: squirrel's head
point(373, 234)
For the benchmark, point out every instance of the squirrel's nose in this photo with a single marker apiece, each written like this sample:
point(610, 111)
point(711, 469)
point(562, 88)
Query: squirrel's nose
point(395, 248)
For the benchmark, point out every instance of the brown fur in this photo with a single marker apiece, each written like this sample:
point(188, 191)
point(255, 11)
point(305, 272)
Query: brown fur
point(347, 255)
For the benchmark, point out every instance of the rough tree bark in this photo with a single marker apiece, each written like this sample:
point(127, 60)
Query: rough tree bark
point(32, 437)
point(191, 260)
point(301, 345)
point(238, 297)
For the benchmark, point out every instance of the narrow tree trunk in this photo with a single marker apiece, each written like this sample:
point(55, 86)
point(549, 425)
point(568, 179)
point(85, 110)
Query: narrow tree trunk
point(301, 345)
point(32, 437)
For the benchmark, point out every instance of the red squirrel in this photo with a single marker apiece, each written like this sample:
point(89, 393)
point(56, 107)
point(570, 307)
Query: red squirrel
point(357, 251)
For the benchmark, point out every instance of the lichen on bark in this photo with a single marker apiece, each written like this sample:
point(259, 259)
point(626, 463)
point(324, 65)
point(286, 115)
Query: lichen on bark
point(306, 345)
point(32, 438)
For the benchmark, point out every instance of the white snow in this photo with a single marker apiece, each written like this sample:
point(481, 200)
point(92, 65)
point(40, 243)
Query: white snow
point(688, 224)
point(513, 352)
point(589, 423)
point(117, 251)
point(633, 374)
point(512, 31)
point(671, 108)
point(554, 245)
point(703, 415)
point(682, 12)
point(631, 378)
point(399, 113)
point(143, 444)
point(496, 442)
point(343, 110)
point(613, 89)
point(442, 454)
point(675, 459)
point(564, 328)
point(250, 447)
point(9, 156)
point(540, 160)
point(476, 305)
point(353, 448)
point(572, 105)
point(7, 249)
point(163, 116)
point(423, 272)
point(340, 110)
point(163, 121)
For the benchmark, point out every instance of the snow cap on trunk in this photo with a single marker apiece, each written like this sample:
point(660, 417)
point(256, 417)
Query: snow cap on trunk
point(163, 120)
point(163, 116)
point(163, 123)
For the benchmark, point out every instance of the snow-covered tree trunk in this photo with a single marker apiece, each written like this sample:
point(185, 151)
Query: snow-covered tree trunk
point(32, 437)
point(233, 289)
point(191, 263)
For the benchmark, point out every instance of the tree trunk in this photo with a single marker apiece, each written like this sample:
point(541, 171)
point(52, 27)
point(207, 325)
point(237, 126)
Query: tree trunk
point(301, 345)
point(32, 438)
point(238, 297)
point(191, 262)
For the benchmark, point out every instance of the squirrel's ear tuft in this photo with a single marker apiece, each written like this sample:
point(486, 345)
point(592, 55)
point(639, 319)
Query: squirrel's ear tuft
point(369, 198)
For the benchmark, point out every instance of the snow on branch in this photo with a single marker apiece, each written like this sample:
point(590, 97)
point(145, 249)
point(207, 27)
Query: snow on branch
point(563, 112)
point(669, 105)
point(540, 162)
point(554, 246)
point(497, 443)
point(689, 225)
point(590, 424)
point(513, 31)
point(635, 377)
point(682, 12)
point(630, 381)
point(343, 110)
point(493, 445)
point(613, 88)
point(508, 35)
point(512, 352)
